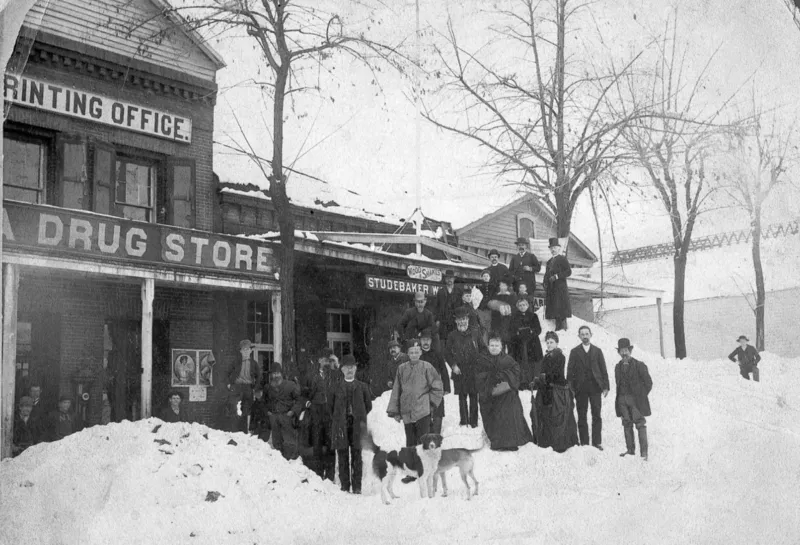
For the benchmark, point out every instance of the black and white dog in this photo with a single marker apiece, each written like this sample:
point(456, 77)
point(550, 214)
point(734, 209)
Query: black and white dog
point(421, 462)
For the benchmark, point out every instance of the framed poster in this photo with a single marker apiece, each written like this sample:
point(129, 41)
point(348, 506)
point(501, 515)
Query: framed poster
point(192, 367)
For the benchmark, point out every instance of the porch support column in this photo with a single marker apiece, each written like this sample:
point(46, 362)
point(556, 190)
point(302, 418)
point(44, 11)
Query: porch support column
point(8, 366)
point(277, 338)
point(148, 294)
point(660, 327)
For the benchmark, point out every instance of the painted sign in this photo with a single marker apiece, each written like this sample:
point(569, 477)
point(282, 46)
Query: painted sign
point(424, 273)
point(192, 367)
point(59, 99)
point(400, 285)
point(62, 231)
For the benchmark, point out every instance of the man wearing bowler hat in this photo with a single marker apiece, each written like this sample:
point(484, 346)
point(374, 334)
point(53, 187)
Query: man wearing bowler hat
point(496, 271)
point(524, 266)
point(447, 300)
point(556, 300)
point(748, 357)
point(632, 405)
point(396, 357)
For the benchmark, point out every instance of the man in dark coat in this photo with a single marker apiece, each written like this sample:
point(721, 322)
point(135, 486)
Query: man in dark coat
point(748, 357)
point(244, 375)
point(417, 318)
point(496, 271)
point(27, 428)
point(447, 299)
point(173, 412)
point(62, 422)
point(632, 405)
point(587, 374)
point(396, 357)
point(497, 378)
point(38, 411)
point(316, 389)
point(437, 360)
point(349, 403)
point(462, 350)
point(284, 404)
point(524, 266)
point(556, 293)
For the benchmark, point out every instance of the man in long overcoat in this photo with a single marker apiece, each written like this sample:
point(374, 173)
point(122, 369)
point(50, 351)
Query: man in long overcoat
point(524, 266)
point(632, 405)
point(462, 350)
point(556, 300)
point(588, 376)
point(447, 300)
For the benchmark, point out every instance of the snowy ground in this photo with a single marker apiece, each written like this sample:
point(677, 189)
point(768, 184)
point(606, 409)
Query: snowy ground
point(724, 468)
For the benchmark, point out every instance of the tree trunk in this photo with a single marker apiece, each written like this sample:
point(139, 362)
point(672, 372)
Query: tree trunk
point(761, 295)
point(678, 305)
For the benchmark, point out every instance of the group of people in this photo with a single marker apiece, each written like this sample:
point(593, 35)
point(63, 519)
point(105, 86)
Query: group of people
point(34, 423)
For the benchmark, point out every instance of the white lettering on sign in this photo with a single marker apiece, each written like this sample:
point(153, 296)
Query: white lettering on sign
point(424, 273)
point(41, 95)
point(400, 286)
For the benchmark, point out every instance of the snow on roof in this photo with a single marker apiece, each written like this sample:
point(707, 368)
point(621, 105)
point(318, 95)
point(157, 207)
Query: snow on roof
point(131, 483)
point(721, 272)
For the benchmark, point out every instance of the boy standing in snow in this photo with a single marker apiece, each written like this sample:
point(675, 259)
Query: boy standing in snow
point(349, 403)
point(283, 405)
point(748, 357)
point(632, 405)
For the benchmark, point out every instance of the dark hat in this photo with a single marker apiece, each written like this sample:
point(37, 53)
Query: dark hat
point(325, 353)
point(276, 368)
point(507, 279)
point(393, 343)
point(449, 273)
point(412, 342)
point(348, 359)
point(492, 252)
point(553, 241)
point(742, 337)
point(245, 344)
point(624, 343)
point(175, 393)
point(26, 401)
point(64, 398)
point(461, 312)
point(551, 335)
point(522, 240)
point(426, 333)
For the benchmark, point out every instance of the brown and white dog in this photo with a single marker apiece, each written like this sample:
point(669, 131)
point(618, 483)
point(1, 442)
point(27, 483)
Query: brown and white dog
point(420, 462)
point(456, 457)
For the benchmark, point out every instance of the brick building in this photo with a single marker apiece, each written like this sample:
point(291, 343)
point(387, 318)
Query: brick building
point(110, 265)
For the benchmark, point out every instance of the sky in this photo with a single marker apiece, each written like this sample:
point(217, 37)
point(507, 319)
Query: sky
point(361, 137)
point(723, 467)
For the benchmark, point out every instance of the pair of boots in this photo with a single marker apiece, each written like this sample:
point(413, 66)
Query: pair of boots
point(630, 442)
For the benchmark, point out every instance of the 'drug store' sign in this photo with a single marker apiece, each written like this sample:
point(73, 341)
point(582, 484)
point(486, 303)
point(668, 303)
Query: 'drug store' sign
point(63, 100)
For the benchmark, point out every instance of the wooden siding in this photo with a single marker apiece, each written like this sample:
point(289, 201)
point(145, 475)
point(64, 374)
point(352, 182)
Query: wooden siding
point(501, 232)
point(106, 24)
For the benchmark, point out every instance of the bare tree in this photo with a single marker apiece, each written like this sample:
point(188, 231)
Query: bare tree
point(543, 118)
point(761, 155)
point(673, 148)
point(295, 39)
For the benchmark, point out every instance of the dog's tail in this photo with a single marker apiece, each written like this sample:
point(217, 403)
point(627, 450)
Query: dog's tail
point(366, 440)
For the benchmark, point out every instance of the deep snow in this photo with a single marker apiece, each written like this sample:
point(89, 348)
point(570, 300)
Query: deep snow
point(724, 468)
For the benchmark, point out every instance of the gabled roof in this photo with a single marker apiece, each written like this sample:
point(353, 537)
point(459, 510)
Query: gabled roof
point(169, 11)
point(527, 198)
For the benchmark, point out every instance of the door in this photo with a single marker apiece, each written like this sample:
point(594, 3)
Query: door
point(162, 368)
point(125, 369)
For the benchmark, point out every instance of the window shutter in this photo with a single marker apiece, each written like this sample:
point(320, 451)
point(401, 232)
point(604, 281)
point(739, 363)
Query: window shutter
point(181, 192)
point(72, 173)
point(103, 177)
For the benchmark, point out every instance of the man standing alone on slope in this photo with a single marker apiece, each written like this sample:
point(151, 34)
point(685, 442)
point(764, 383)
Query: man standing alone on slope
point(588, 377)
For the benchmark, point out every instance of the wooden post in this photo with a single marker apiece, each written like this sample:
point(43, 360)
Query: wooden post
point(660, 327)
point(9, 362)
point(148, 294)
point(277, 351)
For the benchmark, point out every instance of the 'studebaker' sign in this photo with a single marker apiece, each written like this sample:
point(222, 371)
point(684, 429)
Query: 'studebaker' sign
point(400, 285)
point(59, 99)
point(61, 231)
point(424, 273)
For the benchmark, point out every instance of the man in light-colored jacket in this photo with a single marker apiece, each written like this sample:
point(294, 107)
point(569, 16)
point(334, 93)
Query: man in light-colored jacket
point(417, 391)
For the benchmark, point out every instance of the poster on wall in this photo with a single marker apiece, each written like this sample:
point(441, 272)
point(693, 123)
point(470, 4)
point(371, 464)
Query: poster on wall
point(192, 367)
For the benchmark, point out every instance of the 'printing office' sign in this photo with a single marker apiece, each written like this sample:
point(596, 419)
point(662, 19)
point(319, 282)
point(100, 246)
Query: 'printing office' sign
point(60, 99)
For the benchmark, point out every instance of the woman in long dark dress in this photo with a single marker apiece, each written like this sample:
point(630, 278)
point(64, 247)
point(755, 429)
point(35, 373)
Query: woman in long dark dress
point(552, 410)
point(498, 377)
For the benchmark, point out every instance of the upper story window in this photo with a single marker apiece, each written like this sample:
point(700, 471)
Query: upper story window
point(91, 175)
point(525, 226)
point(24, 169)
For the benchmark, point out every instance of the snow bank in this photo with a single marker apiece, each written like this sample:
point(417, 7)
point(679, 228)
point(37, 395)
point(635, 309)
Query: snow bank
point(724, 468)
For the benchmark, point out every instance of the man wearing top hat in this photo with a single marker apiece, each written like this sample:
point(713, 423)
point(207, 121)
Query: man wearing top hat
point(556, 300)
point(524, 266)
point(748, 357)
point(496, 271)
point(447, 300)
point(632, 405)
